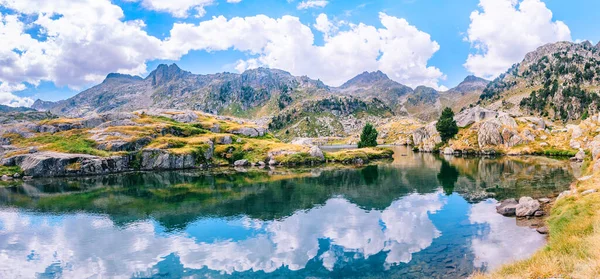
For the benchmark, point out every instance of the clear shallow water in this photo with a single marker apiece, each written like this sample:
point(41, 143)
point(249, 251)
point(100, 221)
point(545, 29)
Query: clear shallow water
point(421, 216)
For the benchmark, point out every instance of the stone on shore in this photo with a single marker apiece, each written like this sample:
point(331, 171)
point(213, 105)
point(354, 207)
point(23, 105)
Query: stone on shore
point(527, 207)
point(507, 207)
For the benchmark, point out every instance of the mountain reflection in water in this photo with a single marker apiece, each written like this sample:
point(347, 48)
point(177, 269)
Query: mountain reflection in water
point(421, 216)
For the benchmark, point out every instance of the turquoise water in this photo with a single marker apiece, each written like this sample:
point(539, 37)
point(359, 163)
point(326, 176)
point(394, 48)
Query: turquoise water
point(421, 216)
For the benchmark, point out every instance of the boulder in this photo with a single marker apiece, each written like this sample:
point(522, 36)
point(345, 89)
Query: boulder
point(527, 207)
point(489, 134)
point(506, 120)
point(510, 137)
point(426, 137)
point(316, 152)
point(241, 163)
point(473, 115)
point(52, 164)
point(157, 159)
point(186, 117)
point(507, 207)
point(273, 162)
point(448, 151)
point(250, 132)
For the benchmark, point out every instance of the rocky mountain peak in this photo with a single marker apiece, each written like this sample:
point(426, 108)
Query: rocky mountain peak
point(117, 76)
point(165, 73)
point(471, 83)
point(366, 78)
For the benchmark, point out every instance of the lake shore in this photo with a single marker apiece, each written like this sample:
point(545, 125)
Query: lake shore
point(573, 248)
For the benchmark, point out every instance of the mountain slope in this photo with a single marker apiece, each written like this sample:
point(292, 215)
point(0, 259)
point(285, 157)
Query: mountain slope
point(559, 81)
point(376, 85)
point(169, 87)
point(464, 94)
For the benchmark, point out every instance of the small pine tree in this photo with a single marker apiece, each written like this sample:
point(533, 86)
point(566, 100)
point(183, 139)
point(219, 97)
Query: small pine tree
point(446, 125)
point(368, 138)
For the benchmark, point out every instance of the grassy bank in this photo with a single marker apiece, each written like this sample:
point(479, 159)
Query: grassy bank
point(573, 249)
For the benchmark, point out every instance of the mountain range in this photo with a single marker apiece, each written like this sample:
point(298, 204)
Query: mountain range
point(556, 80)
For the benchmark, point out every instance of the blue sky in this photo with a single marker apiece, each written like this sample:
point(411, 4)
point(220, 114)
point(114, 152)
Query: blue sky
point(430, 43)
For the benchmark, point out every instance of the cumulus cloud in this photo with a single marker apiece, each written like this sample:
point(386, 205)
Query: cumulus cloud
point(398, 49)
point(503, 31)
point(312, 4)
point(179, 8)
point(76, 43)
point(8, 98)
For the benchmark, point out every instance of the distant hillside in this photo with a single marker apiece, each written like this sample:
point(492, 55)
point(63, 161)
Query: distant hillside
point(18, 114)
point(559, 81)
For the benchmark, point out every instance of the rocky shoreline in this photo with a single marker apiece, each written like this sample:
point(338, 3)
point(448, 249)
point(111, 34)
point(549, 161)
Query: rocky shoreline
point(154, 141)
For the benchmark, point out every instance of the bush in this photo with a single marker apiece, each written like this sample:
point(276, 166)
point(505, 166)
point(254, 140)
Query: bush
point(446, 125)
point(368, 138)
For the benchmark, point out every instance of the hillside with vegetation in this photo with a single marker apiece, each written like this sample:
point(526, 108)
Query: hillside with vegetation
point(558, 81)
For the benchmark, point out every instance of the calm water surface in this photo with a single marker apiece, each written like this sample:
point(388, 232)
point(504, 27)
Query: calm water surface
point(421, 216)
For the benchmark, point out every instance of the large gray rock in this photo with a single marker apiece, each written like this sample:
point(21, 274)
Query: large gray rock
point(157, 159)
point(489, 134)
point(241, 163)
point(52, 164)
point(473, 115)
point(426, 136)
point(250, 132)
point(186, 117)
point(316, 152)
point(527, 207)
point(448, 151)
point(511, 137)
point(507, 207)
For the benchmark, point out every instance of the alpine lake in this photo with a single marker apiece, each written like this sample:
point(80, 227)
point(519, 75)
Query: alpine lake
point(418, 216)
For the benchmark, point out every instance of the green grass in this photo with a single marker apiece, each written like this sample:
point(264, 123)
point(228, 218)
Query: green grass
point(73, 142)
point(366, 154)
point(4, 170)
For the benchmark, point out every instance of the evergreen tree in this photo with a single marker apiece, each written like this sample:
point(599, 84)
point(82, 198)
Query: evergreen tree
point(368, 138)
point(446, 125)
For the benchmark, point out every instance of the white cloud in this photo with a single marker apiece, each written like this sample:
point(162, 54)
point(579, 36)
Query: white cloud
point(505, 30)
point(179, 8)
point(312, 4)
point(81, 41)
point(78, 42)
point(9, 99)
point(398, 49)
point(234, 1)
